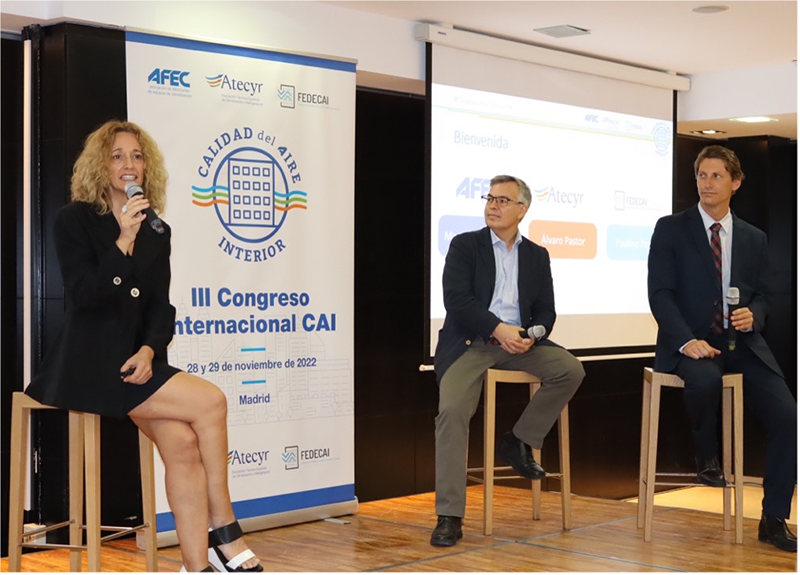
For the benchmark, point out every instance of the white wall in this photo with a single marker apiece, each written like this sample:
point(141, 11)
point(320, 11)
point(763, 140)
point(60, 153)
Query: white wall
point(768, 90)
point(381, 44)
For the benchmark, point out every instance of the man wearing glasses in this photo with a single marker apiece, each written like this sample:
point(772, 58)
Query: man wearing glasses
point(498, 293)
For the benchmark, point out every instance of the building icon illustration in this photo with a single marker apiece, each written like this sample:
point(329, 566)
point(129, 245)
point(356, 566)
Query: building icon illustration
point(251, 185)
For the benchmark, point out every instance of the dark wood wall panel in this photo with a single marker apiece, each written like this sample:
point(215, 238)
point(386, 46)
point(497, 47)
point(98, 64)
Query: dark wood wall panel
point(11, 65)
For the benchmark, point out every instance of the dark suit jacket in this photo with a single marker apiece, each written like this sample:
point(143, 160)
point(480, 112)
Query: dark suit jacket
point(682, 285)
point(105, 322)
point(468, 282)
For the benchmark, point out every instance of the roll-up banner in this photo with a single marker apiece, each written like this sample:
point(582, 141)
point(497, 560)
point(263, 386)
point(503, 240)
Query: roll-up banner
point(259, 146)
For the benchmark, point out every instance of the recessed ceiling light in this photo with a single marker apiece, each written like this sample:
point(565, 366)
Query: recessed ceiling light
point(708, 132)
point(754, 119)
point(711, 9)
point(563, 31)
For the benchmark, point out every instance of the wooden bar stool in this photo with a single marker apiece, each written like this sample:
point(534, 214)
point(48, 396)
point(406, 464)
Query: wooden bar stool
point(84, 457)
point(491, 379)
point(732, 410)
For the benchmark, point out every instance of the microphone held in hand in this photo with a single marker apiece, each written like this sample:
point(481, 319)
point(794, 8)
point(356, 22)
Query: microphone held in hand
point(535, 332)
point(733, 301)
point(134, 189)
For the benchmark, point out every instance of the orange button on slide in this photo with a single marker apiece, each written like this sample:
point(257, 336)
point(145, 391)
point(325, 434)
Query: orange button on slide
point(566, 240)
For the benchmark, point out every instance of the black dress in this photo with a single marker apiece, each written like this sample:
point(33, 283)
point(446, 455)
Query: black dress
point(115, 304)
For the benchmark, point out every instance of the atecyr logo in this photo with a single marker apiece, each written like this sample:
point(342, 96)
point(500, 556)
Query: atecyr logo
point(551, 195)
point(234, 85)
point(165, 77)
point(257, 458)
point(291, 457)
point(286, 96)
point(248, 179)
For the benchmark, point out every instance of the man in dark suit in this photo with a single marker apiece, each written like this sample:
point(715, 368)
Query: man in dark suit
point(498, 293)
point(695, 257)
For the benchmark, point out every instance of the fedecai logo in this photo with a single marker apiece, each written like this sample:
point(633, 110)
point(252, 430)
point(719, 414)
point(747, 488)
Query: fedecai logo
point(286, 95)
point(289, 97)
point(291, 457)
point(316, 454)
point(626, 201)
point(166, 77)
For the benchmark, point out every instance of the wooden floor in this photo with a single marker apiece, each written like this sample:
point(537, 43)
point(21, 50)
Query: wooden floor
point(392, 535)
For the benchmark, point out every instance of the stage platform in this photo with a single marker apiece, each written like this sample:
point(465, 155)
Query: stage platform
point(392, 535)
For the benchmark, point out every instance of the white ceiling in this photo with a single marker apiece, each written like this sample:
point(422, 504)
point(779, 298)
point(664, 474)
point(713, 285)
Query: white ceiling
point(643, 33)
point(664, 35)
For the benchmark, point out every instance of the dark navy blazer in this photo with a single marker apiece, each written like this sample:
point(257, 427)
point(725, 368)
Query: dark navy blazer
point(468, 282)
point(682, 284)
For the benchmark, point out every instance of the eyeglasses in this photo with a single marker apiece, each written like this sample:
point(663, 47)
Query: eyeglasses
point(501, 201)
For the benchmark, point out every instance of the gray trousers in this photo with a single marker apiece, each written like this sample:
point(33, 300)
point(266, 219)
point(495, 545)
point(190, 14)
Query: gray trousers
point(459, 391)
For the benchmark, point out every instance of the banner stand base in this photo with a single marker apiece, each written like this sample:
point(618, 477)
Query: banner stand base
point(170, 538)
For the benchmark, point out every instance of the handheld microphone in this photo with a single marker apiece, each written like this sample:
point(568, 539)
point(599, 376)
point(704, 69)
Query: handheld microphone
point(733, 300)
point(133, 189)
point(535, 332)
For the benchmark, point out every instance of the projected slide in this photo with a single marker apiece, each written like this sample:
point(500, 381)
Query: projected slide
point(599, 181)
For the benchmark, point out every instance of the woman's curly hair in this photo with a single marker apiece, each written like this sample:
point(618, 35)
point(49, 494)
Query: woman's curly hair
point(90, 177)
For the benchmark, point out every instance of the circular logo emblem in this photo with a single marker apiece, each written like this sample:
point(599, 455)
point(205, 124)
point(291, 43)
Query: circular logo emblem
point(258, 194)
point(661, 138)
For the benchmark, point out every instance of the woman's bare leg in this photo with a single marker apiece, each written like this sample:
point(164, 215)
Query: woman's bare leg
point(186, 485)
point(204, 407)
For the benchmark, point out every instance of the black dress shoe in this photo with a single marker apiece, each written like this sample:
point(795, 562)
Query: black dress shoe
point(447, 531)
point(518, 455)
point(774, 530)
point(709, 472)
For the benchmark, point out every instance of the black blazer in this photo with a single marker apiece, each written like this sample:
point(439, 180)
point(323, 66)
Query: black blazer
point(468, 282)
point(682, 287)
point(115, 304)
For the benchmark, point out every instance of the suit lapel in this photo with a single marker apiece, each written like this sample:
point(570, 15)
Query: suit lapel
point(525, 277)
point(486, 266)
point(738, 247)
point(148, 242)
point(106, 229)
point(696, 230)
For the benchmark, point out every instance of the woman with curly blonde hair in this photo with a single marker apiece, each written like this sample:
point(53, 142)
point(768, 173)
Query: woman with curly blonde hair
point(90, 177)
point(111, 354)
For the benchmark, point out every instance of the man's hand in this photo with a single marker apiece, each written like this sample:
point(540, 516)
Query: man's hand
point(742, 319)
point(510, 340)
point(700, 348)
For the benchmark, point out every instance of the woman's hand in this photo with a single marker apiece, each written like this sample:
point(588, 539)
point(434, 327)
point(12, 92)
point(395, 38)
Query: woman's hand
point(142, 364)
point(130, 220)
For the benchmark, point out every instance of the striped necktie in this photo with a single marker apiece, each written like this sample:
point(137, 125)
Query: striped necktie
point(716, 250)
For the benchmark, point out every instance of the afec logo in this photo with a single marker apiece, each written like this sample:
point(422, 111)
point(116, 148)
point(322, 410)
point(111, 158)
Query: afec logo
point(165, 77)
